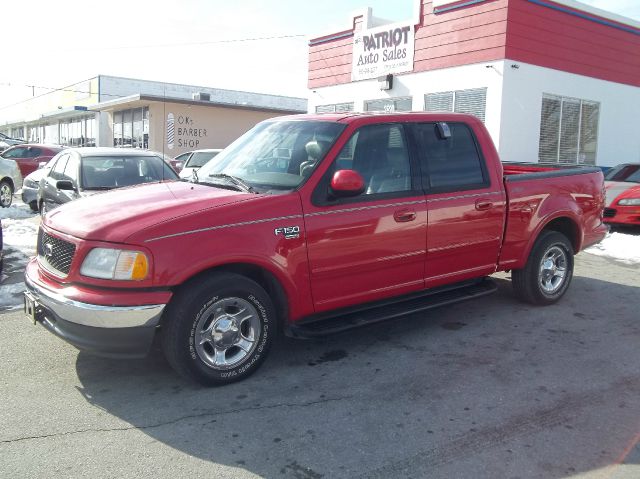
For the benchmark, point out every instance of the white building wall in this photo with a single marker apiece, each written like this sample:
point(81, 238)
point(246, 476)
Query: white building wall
point(416, 85)
point(618, 130)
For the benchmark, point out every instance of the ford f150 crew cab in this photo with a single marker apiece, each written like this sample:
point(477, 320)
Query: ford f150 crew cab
point(309, 225)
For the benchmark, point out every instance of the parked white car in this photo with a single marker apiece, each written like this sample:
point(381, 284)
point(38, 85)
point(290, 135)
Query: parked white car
point(196, 160)
point(10, 181)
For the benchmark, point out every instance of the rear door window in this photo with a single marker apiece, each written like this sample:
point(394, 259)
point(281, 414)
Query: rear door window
point(450, 163)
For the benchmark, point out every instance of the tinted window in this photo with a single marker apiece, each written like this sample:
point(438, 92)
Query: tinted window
point(452, 163)
point(71, 170)
point(19, 152)
point(34, 152)
point(630, 173)
point(57, 173)
point(105, 172)
point(379, 154)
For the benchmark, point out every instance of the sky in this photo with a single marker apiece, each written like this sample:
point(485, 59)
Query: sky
point(187, 41)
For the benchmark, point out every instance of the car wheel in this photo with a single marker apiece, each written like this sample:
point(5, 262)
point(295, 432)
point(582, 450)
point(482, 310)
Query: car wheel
point(6, 194)
point(33, 205)
point(219, 330)
point(548, 272)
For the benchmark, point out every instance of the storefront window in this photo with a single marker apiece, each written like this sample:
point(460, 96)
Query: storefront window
point(131, 128)
point(117, 129)
point(51, 134)
point(127, 128)
point(471, 102)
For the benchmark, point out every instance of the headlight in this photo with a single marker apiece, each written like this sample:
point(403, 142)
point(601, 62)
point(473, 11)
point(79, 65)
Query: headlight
point(629, 202)
point(107, 263)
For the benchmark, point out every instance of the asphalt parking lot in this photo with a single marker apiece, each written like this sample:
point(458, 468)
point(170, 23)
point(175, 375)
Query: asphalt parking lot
point(485, 389)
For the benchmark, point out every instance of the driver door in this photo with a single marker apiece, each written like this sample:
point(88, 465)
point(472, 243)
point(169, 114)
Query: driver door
point(371, 246)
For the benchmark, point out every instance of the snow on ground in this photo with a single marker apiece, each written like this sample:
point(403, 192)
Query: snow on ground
point(621, 247)
point(20, 233)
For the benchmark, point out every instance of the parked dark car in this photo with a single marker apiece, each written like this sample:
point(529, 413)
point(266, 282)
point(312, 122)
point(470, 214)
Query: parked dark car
point(80, 172)
point(29, 156)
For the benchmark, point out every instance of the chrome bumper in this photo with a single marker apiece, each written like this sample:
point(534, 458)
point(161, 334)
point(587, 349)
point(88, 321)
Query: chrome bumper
point(93, 315)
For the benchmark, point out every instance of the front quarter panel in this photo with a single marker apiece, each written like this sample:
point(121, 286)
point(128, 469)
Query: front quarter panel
point(240, 233)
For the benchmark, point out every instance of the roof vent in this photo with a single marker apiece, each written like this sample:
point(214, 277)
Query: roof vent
point(201, 96)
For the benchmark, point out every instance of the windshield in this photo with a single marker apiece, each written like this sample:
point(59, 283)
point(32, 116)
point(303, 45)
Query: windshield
point(200, 158)
point(276, 155)
point(630, 173)
point(104, 172)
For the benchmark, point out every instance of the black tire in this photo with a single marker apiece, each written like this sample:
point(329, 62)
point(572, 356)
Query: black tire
point(208, 304)
point(535, 283)
point(34, 205)
point(6, 194)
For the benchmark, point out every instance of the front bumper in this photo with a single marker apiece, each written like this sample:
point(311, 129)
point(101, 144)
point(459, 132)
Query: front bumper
point(28, 195)
point(104, 330)
point(622, 215)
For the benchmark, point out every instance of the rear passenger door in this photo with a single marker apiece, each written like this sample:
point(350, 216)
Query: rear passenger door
point(465, 203)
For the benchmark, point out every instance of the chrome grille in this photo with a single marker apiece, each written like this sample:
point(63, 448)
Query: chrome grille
point(609, 212)
point(54, 253)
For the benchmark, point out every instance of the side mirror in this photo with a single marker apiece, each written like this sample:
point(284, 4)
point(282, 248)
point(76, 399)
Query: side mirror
point(346, 183)
point(65, 185)
point(42, 164)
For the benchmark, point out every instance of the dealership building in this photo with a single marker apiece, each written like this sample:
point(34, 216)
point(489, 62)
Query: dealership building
point(553, 80)
point(125, 112)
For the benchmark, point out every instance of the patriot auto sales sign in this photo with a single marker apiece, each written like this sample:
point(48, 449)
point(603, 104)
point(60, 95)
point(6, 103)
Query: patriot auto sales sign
point(382, 50)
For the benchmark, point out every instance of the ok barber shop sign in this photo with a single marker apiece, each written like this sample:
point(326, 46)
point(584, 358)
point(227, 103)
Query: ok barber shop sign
point(382, 50)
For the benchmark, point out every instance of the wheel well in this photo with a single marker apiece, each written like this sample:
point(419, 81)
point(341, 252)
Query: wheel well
point(261, 276)
point(10, 181)
point(567, 227)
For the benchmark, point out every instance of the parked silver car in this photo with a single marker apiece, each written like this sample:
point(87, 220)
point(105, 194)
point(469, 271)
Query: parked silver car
point(31, 184)
point(10, 181)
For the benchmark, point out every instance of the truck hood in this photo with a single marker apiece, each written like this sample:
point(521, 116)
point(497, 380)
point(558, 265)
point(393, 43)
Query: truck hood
point(617, 190)
point(115, 215)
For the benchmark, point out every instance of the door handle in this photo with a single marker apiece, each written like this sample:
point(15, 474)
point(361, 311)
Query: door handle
point(483, 205)
point(404, 216)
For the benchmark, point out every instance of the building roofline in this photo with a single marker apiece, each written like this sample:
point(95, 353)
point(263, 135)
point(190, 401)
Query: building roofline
point(156, 98)
point(271, 95)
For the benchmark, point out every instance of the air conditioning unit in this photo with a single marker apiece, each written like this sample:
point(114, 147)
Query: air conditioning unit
point(201, 96)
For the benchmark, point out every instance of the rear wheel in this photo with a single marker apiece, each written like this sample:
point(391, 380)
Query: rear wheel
point(6, 194)
point(218, 330)
point(548, 272)
point(34, 205)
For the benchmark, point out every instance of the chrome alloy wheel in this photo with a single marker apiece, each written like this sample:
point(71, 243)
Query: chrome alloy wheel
point(5, 194)
point(227, 333)
point(553, 270)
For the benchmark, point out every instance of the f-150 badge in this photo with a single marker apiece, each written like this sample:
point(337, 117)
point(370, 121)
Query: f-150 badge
point(289, 232)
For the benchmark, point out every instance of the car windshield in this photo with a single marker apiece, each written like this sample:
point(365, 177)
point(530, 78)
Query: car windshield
point(274, 155)
point(630, 173)
point(104, 172)
point(200, 158)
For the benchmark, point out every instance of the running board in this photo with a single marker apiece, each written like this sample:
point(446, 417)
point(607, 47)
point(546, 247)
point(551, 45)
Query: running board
point(336, 323)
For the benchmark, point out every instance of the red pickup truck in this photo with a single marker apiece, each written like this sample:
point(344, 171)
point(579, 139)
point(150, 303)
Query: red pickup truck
point(309, 225)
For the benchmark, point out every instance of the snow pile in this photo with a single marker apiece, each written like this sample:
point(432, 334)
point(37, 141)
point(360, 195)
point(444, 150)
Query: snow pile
point(16, 211)
point(621, 247)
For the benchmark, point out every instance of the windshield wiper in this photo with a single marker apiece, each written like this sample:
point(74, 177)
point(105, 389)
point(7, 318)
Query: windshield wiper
point(242, 186)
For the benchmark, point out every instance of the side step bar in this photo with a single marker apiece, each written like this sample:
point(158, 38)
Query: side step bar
point(321, 326)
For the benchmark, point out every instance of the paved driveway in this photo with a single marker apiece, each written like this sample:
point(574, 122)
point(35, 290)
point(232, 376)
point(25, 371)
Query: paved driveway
point(484, 389)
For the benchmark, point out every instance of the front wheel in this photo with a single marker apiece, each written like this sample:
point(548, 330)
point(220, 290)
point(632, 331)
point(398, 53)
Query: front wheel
point(6, 194)
point(548, 272)
point(218, 330)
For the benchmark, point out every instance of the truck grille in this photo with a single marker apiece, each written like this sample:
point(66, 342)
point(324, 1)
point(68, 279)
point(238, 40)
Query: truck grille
point(54, 253)
point(609, 212)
